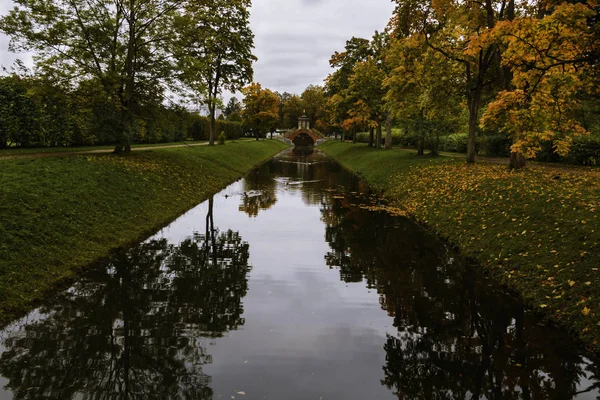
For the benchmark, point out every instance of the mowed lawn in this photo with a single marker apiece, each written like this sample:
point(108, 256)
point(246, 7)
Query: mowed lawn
point(537, 230)
point(59, 214)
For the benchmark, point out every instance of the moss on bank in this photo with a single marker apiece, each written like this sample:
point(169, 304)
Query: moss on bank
point(60, 214)
point(536, 231)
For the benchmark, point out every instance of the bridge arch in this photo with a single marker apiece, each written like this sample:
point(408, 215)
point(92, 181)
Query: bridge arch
point(304, 137)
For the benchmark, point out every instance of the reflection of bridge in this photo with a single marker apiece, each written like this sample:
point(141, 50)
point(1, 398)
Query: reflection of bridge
point(303, 136)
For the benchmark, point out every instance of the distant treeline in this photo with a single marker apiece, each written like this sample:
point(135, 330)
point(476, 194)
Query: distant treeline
point(35, 113)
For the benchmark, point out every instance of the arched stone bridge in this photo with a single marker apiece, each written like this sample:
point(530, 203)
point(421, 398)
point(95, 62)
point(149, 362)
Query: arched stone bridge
point(304, 137)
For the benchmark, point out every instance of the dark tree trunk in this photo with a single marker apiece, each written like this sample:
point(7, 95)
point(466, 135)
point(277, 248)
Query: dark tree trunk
point(371, 136)
point(213, 123)
point(474, 100)
point(354, 136)
point(388, 132)
point(435, 146)
point(213, 92)
point(378, 139)
point(421, 145)
point(124, 144)
point(517, 160)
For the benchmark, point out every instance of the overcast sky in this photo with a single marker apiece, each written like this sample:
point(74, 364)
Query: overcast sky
point(294, 38)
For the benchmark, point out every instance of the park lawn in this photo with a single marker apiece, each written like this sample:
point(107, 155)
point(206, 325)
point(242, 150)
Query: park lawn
point(537, 231)
point(60, 214)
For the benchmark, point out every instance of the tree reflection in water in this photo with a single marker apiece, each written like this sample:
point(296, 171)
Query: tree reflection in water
point(457, 337)
point(138, 330)
point(260, 191)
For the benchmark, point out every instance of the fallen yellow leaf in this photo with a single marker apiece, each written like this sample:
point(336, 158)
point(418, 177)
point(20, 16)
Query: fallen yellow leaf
point(585, 311)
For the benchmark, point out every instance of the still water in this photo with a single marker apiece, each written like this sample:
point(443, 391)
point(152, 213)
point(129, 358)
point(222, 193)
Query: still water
point(286, 286)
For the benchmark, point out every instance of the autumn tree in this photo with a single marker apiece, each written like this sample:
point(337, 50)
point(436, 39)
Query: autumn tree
point(336, 84)
point(366, 85)
point(424, 91)
point(261, 109)
point(449, 27)
point(214, 50)
point(313, 102)
point(553, 61)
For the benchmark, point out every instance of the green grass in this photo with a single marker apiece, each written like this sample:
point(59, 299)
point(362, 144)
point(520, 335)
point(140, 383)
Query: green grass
point(536, 231)
point(377, 167)
point(60, 214)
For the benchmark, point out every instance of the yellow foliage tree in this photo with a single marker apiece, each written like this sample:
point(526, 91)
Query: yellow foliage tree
point(261, 109)
point(551, 61)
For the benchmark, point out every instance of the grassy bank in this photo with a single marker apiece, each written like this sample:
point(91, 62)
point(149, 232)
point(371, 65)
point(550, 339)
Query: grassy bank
point(60, 214)
point(536, 231)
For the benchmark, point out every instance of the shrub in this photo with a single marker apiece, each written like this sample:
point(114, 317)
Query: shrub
point(585, 151)
point(457, 143)
point(222, 137)
point(495, 145)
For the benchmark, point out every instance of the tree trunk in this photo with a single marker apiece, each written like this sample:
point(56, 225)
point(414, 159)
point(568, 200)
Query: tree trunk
point(474, 98)
point(388, 132)
point(124, 144)
point(378, 139)
point(213, 122)
point(517, 160)
point(435, 145)
point(354, 136)
point(371, 136)
point(421, 146)
point(213, 92)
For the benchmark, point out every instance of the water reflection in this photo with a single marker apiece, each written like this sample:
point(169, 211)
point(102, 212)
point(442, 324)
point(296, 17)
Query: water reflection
point(457, 337)
point(137, 330)
point(342, 303)
point(260, 191)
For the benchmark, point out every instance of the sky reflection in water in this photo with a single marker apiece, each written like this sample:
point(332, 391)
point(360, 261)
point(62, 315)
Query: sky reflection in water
point(282, 287)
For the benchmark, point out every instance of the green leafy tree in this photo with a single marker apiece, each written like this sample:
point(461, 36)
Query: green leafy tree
point(313, 103)
point(214, 50)
point(292, 110)
point(122, 45)
point(233, 110)
point(20, 117)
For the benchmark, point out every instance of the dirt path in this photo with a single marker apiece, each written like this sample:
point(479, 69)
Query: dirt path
point(99, 151)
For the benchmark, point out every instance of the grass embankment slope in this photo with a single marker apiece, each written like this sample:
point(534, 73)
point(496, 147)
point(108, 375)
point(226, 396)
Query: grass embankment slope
point(62, 213)
point(536, 231)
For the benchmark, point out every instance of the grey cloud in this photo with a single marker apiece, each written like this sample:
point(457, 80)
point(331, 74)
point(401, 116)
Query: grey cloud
point(294, 38)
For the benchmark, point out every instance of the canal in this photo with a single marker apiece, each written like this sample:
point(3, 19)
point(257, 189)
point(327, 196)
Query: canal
point(289, 284)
